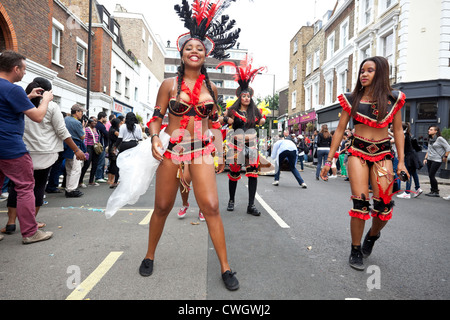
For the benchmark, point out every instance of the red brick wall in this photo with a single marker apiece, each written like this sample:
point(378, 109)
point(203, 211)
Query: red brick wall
point(101, 61)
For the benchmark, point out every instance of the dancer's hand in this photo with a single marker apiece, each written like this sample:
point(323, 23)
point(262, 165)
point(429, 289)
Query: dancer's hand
point(324, 173)
point(401, 167)
point(220, 168)
point(156, 147)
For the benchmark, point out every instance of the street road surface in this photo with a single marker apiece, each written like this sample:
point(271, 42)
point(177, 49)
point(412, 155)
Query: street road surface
point(297, 249)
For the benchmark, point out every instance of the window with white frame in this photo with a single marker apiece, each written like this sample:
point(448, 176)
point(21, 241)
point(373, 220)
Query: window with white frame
point(344, 34)
point(316, 61)
point(136, 94)
point(150, 48)
point(81, 57)
point(387, 43)
point(170, 68)
point(385, 5)
point(342, 83)
point(294, 100)
point(57, 30)
point(365, 52)
point(229, 70)
point(330, 46)
point(294, 74)
point(127, 87)
point(230, 84)
point(329, 90)
point(295, 46)
point(308, 97)
point(366, 12)
point(308, 65)
point(218, 83)
point(118, 81)
point(315, 94)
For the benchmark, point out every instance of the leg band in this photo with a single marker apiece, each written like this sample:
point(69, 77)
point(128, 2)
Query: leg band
point(382, 210)
point(361, 208)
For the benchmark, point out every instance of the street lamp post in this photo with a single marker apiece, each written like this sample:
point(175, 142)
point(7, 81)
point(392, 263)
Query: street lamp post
point(88, 93)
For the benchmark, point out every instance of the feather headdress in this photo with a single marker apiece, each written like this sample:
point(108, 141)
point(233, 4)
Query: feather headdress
point(206, 23)
point(244, 74)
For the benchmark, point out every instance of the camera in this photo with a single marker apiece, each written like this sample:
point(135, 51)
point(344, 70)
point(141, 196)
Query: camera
point(84, 118)
point(403, 176)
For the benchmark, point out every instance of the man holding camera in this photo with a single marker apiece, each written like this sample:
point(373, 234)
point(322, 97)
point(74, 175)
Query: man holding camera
point(75, 124)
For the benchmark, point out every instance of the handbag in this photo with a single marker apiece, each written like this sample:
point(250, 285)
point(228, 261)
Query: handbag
point(98, 148)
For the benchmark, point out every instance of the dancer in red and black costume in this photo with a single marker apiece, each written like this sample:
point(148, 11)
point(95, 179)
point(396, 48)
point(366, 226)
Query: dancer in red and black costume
point(243, 116)
point(372, 105)
point(191, 100)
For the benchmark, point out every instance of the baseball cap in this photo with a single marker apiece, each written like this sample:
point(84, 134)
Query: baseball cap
point(77, 107)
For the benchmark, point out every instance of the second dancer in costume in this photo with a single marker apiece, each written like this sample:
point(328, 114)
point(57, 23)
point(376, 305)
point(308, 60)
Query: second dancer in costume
point(243, 116)
point(191, 101)
point(372, 105)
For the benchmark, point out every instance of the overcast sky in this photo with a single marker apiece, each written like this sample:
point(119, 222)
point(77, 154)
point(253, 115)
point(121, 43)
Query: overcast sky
point(267, 27)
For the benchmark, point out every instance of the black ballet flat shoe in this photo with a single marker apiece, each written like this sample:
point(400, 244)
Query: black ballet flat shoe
point(10, 229)
point(230, 281)
point(146, 268)
point(230, 205)
point(253, 211)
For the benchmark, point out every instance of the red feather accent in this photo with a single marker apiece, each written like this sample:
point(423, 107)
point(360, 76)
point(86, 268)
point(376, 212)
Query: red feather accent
point(200, 10)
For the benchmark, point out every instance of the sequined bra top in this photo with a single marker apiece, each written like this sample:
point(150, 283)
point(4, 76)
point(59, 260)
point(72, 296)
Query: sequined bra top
point(184, 108)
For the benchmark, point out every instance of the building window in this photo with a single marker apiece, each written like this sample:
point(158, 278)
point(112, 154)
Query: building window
point(329, 91)
point(127, 87)
point(150, 48)
point(118, 81)
point(344, 34)
point(316, 59)
point(365, 52)
point(342, 88)
point(387, 44)
point(366, 12)
point(170, 68)
point(218, 83)
point(330, 46)
point(230, 84)
point(56, 44)
point(295, 45)
point(149, 80)
point(308, 65)
point(427, 111)
point(315, 94)
point(81, 57)
point(136, 94)
point(294, 74)
point(229, 70)
point(308, 98)
point(294, 100)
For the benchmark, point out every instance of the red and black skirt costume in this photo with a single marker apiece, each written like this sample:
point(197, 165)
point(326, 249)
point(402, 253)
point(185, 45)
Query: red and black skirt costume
point(373, 153)
point(183, 148)
point(240, 152)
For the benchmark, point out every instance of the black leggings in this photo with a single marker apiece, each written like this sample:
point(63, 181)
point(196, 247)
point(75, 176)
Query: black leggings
point(40, 181)
point(433, 168)
point(252, 184)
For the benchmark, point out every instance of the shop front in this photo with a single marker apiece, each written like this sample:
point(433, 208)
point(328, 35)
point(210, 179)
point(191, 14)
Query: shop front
point(299, 124)
point(120, 108)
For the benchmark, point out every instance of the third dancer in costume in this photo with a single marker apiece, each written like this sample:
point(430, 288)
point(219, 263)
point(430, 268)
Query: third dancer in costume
point(243, 116)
